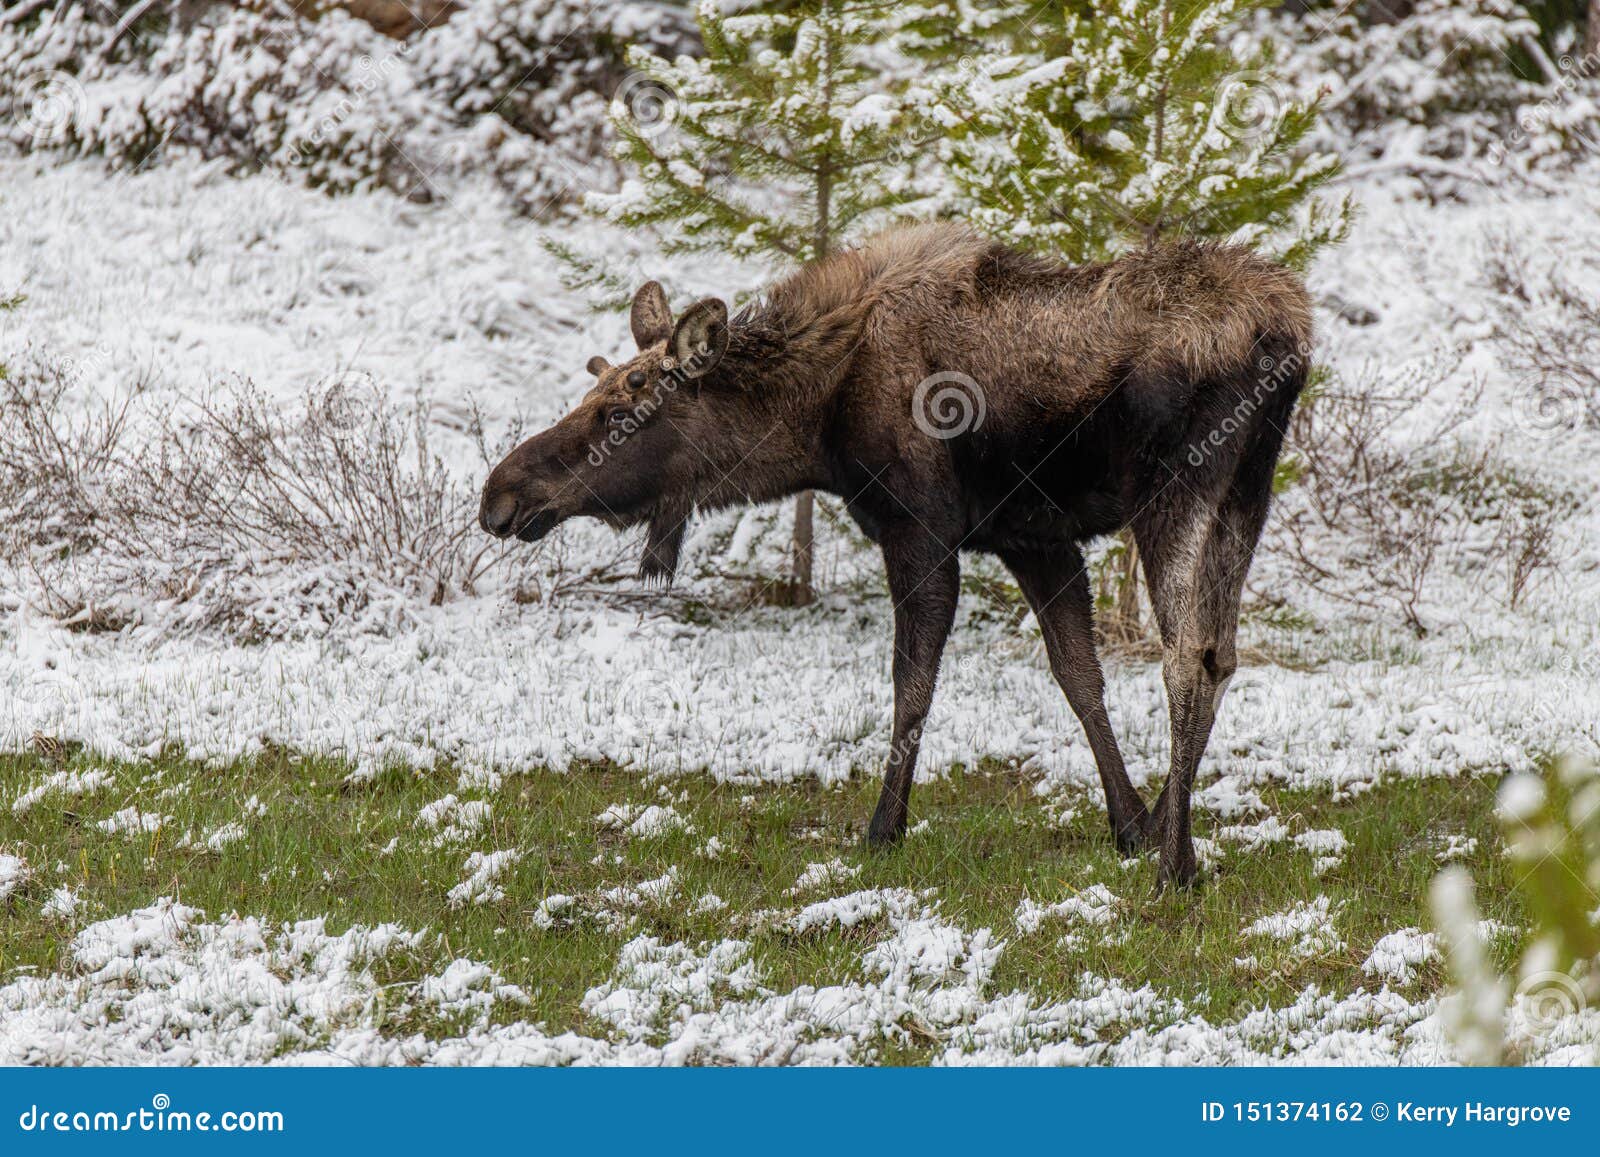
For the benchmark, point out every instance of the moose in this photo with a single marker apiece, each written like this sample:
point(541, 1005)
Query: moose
point(961, 395)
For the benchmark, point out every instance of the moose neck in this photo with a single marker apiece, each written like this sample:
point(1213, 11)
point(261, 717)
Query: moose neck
point(766, 443)
point(777, 386)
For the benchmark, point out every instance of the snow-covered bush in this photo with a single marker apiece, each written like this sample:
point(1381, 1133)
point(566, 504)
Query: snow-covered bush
point(1455, 91)
point(232, 513)
point(515, 90)
point(530, 81)
point(327, 99)
point(44, 66)
point(1379, 503)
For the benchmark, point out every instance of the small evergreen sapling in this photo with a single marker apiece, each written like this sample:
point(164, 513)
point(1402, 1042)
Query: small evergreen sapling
point(780, 142)
point(1098, 127)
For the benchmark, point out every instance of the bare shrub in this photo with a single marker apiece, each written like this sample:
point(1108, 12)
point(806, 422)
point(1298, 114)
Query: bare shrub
point(1548, 328)
point(1369, 518)
point(233, 513)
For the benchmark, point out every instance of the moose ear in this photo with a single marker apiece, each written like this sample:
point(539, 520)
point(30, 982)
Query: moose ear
point(651, 319)
point(597, 365)
point(701, 337)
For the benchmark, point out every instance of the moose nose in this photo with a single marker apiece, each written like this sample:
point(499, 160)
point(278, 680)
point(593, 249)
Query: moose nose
point(499, 514)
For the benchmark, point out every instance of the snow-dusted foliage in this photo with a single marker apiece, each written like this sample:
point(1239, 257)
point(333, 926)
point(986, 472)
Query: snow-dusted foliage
point(515, 90)
point(327, 100)
point(532, 80)
point(780, 142)
point(1456, 91)
point(1085, 129)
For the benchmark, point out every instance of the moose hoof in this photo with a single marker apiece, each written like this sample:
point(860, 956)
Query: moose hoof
point(1131, 842)
point(1132, 837)
point(1181, 875)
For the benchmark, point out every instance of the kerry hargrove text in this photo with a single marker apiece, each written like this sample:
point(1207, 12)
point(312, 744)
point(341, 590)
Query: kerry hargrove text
point(1382, 1112)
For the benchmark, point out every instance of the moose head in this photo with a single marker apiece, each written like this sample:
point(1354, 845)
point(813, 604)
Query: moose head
point(627, 453)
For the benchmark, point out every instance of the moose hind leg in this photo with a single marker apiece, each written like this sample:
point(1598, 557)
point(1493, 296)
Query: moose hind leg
point(924, 582)
point(1196, 671)
point(1056, 586)
point(1195, 589)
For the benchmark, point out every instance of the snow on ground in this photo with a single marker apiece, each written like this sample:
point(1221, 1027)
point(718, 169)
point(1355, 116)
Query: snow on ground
point(185, 278)
point(458, 304)
point(163, 985)
point(1397, 956)
point(13, 873)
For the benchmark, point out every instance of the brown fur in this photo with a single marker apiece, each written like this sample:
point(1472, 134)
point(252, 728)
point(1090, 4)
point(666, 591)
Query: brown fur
point(1095, 393)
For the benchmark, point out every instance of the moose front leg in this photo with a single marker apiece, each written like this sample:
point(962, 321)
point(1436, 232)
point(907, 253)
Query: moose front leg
point(1056, 585)
point(924, 582)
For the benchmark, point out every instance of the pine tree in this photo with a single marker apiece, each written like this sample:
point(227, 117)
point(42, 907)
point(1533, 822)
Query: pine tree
point(1095, 127)
point(1086, 129)
point(779, 142)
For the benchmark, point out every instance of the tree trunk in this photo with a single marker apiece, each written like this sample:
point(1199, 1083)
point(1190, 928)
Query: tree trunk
point(1123, 626)
point(801, 590)
point(1591, 29)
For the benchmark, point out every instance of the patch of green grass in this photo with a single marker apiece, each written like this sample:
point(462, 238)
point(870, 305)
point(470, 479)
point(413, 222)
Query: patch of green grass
point(318, 846)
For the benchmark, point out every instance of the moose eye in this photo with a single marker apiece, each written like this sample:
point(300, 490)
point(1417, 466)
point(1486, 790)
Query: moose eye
point(636, 380)
point(618, 416)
